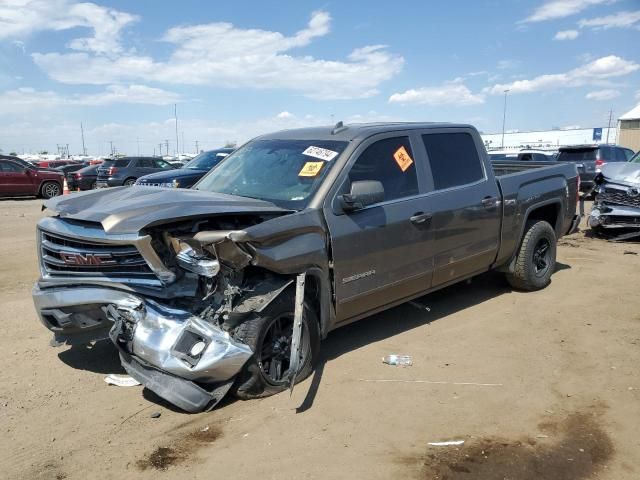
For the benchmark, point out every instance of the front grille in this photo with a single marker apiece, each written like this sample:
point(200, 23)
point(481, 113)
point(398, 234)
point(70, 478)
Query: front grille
point(619, 197)
point(64, 256)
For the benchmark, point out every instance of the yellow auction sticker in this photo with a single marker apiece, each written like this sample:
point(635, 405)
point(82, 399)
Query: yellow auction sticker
point(402, 158)
point(311, 169)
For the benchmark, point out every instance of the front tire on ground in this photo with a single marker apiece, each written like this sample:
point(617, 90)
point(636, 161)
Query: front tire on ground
point(129, 182)
point(50, 190)
point(536, 259)
point(269, 336)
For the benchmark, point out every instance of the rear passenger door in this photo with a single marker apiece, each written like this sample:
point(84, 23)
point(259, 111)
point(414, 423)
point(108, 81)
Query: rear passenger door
point(14, 179)
point(465, 204)
point(381, 253)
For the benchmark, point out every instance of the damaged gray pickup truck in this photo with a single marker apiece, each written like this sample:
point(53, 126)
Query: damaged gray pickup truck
point(232, 285)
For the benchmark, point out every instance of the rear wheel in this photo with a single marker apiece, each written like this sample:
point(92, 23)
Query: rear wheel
point(50, 190)
point(269, 335)
point(129, 182)
point(93, 186)
point(536, 260)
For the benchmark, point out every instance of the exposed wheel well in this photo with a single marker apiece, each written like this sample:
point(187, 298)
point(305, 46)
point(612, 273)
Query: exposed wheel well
point(312, 296)
point(548, 213)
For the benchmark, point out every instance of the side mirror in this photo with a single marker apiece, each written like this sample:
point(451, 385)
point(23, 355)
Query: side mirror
point(363, 193)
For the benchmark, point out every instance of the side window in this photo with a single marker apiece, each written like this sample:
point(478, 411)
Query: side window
point(161, 163)
point(628, 154)
point(391, 162)
point(10, 167)
point(453, 158)
point(145, 163)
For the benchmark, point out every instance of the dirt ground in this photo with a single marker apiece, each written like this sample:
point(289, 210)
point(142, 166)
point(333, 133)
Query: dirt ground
point(539, 385)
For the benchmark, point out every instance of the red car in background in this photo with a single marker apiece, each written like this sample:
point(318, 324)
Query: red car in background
point(19, 178)
point(53, 163)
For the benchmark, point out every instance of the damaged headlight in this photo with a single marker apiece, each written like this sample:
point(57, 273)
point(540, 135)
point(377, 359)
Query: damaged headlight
point(194, 262)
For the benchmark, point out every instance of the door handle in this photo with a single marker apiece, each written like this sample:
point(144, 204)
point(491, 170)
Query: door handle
point(420, 218)
point(489, 202)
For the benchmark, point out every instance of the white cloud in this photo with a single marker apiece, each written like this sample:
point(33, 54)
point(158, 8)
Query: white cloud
point(606, 94)
point(285, 114)
point(617, 20)
point(454, 93)
point(566, 35)
point(21, 18)
point(223, 55)
point(25, 100)
point(553, 9)
point(589, 74)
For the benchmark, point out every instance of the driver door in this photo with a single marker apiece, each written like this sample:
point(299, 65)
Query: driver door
point(381, 252)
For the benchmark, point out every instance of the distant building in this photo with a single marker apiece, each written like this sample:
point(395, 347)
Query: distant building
point(629, 129)
point(550, 139)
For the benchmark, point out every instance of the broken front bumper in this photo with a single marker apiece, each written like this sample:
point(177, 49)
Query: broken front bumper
point(174, 353)
point(614, 216)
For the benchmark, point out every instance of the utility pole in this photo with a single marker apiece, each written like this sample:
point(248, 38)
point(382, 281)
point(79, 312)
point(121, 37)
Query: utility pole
point(504, 116)
point(609, 125)
point(175, 115)
point(197, 150)
point(111, 145)
point(160, 148)
point(166, 142)
point(68, 151)
point(84, 149)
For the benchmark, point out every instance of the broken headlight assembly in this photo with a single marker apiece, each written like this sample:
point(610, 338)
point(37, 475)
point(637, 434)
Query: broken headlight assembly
point(196, 262)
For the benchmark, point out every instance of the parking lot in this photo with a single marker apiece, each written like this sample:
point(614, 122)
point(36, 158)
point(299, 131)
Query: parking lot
point(538, 385)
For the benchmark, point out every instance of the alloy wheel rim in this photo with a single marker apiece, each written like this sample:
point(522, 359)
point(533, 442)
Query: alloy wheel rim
point(275, 349)
point(542, 257)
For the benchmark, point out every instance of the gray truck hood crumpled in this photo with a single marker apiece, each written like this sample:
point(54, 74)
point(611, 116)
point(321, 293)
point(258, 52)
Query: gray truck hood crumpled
point(628, 173)
point(123, 210)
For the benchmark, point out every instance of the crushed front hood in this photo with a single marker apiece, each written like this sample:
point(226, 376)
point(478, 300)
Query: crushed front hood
point(620, 172)
point(123, 210)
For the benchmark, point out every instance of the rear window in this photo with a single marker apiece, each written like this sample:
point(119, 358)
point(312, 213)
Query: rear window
point(583, 155)
point(122, 162)
point(453, 158)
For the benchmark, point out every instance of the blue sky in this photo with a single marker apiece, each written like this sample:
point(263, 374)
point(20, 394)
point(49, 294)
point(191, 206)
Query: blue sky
point(238, 69)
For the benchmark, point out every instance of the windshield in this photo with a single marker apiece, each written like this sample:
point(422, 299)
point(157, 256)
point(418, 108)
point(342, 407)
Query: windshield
point(207, 160)
point(284, 172)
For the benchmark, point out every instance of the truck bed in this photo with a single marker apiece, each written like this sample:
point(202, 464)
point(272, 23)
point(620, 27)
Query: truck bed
point(524, 184)
point(507, 167)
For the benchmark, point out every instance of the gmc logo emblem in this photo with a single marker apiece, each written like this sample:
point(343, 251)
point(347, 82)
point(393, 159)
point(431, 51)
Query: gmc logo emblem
point(90, 259)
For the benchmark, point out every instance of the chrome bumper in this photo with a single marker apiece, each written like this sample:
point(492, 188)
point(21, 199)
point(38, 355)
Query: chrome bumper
point(159, 336)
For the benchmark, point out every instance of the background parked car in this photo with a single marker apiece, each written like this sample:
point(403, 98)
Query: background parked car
point(126, 170)
point(590, 158)
point(525, 155)
point(54, 163)
point(18, 179)
point(83, 179)
point(67, 170)
point(188, 175)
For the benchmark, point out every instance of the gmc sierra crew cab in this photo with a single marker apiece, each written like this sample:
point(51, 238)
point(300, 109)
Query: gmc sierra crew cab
point(232, 285)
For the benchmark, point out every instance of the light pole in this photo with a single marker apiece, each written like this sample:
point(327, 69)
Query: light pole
point(504, 116)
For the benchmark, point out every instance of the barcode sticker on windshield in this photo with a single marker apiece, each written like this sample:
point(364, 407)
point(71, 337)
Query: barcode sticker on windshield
point(311, 169)
point(321, 153)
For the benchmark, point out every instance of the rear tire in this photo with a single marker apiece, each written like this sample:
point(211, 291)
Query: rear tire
point(129, 182)
point(93, 186)
point(266, 372)
point(536, 259)
point(50, 190)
